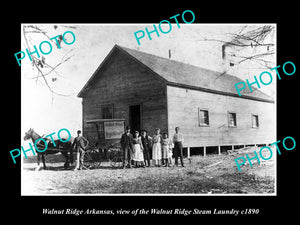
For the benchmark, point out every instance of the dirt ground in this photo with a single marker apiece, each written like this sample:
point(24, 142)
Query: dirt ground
point(213, 174)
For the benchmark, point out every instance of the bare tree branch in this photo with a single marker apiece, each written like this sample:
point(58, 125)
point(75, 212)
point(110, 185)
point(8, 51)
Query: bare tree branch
point(40, 64)
point(237, 44)
point(255, 57)
point(254, 38)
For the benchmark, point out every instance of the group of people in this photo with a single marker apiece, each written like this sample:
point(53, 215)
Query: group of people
point(137, 148)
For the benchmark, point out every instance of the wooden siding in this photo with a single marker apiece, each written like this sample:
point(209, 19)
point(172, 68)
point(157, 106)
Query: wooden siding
point(183, 105)
point(123, 82)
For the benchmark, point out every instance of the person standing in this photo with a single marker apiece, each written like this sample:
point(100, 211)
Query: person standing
point(80, 143)
point(138, 156)
point(178, 141)
point(166, 146)
point(170, 154)
point(146, 146)
point(127, 147)
point(156, 148)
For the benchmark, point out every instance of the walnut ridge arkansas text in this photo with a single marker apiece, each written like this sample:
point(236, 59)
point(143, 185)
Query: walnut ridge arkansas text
point(153, 211)
point(77, 212)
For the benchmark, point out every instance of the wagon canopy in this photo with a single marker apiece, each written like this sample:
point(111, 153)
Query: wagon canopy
point(113, 130)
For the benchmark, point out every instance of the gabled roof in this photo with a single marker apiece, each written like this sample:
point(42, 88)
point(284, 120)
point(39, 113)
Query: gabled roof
point(187, 76)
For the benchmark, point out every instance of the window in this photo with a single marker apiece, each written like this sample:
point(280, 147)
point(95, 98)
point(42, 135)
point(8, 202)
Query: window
point(106, 112)
point(255, 122)
point(203, 117)
point(231, 119)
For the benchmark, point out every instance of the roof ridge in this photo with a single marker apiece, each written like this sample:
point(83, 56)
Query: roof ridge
point(174, 72)
point(218, 75)
point(157, 56)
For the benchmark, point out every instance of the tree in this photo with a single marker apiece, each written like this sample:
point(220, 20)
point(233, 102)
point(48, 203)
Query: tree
point(43, 71)
point(249, 44)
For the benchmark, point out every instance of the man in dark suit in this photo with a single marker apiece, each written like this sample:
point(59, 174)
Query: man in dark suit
point(146, 145)
point(127, 147)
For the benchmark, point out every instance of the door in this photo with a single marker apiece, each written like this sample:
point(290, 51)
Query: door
point(135, 118)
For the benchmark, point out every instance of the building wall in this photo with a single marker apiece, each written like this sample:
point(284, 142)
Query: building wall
point(123, 82)
point(183, 107)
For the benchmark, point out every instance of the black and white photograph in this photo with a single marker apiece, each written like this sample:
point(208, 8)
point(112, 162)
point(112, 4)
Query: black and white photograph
point(164, 109)
point(133, 111)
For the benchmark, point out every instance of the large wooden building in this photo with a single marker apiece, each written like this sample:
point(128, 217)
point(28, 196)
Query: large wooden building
point(149, 91)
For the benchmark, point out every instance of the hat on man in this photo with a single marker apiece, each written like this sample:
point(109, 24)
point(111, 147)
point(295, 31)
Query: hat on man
point(127, 128)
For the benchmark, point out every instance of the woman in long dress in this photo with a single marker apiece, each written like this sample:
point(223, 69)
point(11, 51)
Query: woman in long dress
point(166, 147)
point(138, 156)
point(156, 148)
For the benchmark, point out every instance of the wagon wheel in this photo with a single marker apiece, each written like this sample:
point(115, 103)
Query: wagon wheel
point(116, 158)
point(92, 159)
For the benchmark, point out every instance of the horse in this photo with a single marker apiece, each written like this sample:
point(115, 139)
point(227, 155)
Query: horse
point(65, 148)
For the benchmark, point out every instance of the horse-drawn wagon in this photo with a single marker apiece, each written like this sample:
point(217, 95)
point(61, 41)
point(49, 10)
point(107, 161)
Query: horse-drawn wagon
point(107, 147)
point(46, 146)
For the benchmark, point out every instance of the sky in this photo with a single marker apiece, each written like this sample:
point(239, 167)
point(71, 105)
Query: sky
point(48, 113)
